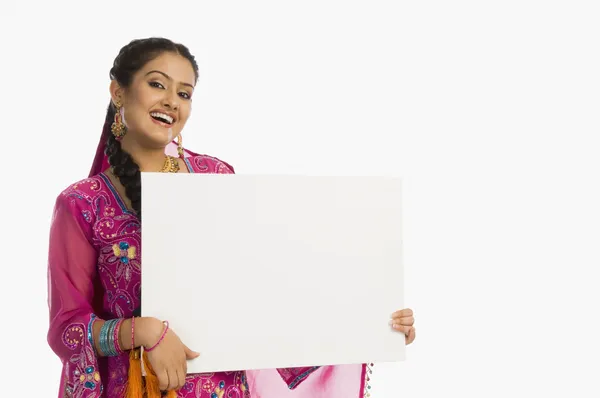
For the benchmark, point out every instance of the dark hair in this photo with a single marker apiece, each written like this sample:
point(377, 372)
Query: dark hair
point(131, 59)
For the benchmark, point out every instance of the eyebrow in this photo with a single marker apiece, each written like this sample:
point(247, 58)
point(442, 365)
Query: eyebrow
point(168, 77)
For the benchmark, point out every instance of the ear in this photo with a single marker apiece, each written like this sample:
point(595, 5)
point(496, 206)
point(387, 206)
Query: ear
point(116, 92)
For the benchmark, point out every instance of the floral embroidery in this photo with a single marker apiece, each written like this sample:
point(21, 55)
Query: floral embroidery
point(219, 391)
point(89, 378)
point(124, 252)
point(109, 211)
point(117, 262)
point(244, 385)
point(208, 386)
point(85, 377)
point(73, 336)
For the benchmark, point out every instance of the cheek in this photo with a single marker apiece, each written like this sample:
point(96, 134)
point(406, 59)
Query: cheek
point(133, 116)
point(184, 114)
point(140, 101)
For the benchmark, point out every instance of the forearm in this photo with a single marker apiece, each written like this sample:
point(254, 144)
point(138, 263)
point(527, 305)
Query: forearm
point(146, 331)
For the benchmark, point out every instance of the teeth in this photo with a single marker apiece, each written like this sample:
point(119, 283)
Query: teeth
point(162, 116)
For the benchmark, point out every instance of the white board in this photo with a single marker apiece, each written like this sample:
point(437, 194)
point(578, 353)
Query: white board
point(259, 272)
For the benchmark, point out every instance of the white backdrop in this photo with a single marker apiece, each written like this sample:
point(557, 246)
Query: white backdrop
point(488, 110)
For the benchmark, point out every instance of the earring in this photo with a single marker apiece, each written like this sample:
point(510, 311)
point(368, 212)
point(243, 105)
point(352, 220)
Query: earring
point(180, 147)
point(118, 127)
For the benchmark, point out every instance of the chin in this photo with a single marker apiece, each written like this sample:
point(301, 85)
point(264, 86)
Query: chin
point(159, 136)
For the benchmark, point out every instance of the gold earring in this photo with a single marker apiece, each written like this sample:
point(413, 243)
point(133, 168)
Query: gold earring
point(118, 127)
point(180, 147)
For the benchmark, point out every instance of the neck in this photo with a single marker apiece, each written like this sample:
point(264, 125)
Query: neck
point(149, 159)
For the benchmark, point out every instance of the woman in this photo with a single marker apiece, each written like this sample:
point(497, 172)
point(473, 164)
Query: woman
point(94, 258)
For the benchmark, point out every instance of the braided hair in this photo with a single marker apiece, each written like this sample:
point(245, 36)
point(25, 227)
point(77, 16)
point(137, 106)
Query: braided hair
point(131, 59)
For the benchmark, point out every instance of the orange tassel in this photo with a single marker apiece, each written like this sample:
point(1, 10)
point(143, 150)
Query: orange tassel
point(152, 388)
point(135, 384)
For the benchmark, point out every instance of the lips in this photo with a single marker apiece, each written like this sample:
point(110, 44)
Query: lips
point(162, 118)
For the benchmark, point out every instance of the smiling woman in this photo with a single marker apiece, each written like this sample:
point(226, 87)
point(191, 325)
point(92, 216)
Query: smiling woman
point(94, 267)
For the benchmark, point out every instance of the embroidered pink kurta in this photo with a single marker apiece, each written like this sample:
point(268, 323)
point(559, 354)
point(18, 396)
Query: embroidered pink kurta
point(94, 273)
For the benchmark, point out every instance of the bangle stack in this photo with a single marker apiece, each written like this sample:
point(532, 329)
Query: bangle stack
point(109, 338)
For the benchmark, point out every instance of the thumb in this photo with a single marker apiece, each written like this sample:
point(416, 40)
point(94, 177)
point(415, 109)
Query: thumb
point(189, 354)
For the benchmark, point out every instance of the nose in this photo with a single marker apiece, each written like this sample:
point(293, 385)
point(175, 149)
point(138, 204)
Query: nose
point(171, 101)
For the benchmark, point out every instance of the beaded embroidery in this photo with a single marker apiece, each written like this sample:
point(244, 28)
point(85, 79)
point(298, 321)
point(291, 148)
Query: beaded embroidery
point(369, 372)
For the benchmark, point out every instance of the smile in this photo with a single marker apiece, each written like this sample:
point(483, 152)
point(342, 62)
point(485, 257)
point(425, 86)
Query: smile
point(162, 118)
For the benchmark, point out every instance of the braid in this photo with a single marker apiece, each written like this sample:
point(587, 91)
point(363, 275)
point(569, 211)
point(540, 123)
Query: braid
point(124, 168)
point(130, 59)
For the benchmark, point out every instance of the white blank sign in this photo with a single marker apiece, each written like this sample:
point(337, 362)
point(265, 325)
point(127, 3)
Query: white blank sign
point(261, 272)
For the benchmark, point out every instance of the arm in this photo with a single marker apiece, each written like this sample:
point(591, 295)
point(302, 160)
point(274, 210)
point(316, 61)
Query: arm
point(71, 273)
point(74, 329)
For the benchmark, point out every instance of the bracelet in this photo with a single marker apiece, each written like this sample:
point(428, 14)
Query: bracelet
point(116, 333)
point(109, 338)
point(132, 332)
point(164, 333)
point(103, 337)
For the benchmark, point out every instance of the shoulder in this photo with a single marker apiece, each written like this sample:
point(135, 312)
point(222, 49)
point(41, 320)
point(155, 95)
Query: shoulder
point(209, 164)
point(79, 197)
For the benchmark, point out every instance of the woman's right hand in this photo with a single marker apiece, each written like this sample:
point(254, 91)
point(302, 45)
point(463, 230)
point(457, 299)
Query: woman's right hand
point(169, 358)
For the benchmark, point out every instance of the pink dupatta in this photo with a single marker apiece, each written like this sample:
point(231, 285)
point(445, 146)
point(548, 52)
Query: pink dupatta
point(340, 381)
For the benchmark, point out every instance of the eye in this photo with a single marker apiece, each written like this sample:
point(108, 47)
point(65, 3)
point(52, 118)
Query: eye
point(185, 95)
point(156, 85)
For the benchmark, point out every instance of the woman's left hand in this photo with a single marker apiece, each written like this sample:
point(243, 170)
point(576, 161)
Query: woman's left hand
point(403, 321)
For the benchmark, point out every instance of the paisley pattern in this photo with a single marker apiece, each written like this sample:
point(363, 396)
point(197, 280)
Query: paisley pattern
point(114, 233)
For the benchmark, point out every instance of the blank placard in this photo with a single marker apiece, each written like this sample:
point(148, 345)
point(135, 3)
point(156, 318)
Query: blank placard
point(260, 272)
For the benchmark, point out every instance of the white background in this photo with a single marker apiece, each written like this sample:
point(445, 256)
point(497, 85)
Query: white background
point(488, 110)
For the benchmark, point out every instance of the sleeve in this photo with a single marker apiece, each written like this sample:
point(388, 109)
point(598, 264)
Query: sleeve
point(224, 168)
point(71, 272)
point(294, 376)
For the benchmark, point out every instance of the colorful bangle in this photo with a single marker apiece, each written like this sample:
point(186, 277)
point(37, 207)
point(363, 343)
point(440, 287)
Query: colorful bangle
point(102, 341)
point(109, 338)
point(132, 332)
point(164, 333)
point(116, 334)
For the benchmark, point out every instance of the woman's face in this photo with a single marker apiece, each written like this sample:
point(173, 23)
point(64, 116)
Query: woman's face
point(157, 104)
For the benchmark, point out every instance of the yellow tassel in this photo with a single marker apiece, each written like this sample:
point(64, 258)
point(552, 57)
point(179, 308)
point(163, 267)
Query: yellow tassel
point(172, 394)
point(135, 384)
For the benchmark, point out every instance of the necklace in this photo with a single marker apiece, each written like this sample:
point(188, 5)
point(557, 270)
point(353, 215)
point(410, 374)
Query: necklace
point(171, 165)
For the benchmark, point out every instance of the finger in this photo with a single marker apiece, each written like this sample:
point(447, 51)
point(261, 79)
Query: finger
point(163, 380)
point(412, 334)
point(401, 328)
point(406, 320)
point(173, 380)
point(402, 313)
point(189, 354)
point(184, 366)
point(180, 379)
